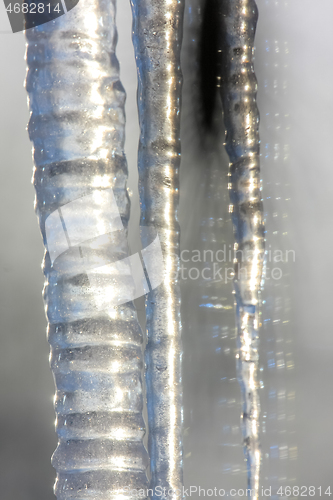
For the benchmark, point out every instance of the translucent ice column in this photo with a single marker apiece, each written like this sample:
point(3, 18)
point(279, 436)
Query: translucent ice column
point(157, 34)
point(77, 129)
point(238, 91)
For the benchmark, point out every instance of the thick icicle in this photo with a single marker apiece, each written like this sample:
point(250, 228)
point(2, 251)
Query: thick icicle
point(238, 90)
point(157, 35)
point(77, 129)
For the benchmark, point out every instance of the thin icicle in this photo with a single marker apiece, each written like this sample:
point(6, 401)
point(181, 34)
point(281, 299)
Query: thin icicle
point(238, 90)
point(157, 35)
point(77, 129)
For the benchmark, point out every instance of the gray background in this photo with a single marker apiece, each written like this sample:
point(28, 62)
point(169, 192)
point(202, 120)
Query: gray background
point(294, 69)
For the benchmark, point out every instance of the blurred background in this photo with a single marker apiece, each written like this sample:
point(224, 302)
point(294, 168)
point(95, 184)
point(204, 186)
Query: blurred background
point(294, 68)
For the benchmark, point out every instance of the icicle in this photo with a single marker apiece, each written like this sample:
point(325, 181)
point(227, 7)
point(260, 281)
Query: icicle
point(157, 34)
point(77, 129)
point(238, 90)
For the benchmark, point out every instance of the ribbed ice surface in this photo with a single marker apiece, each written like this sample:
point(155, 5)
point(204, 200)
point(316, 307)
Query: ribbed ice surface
point(77, 129)
point(157, 34)
point(238, 91)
